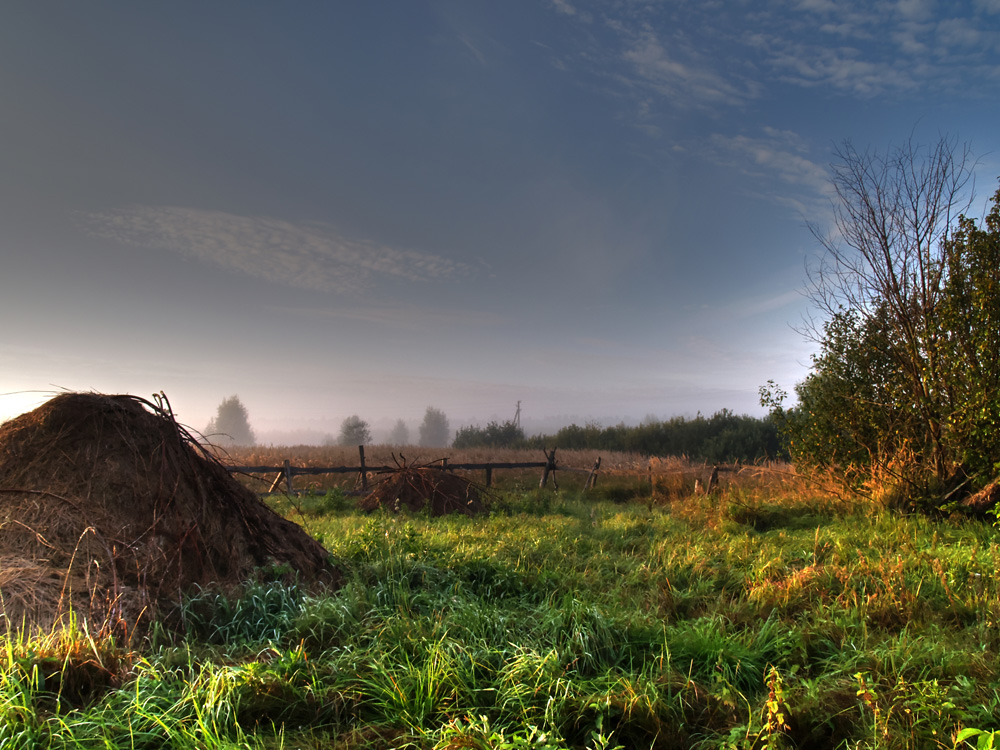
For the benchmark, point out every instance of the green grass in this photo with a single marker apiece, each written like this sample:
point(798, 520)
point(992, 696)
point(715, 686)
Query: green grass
point(744, 620)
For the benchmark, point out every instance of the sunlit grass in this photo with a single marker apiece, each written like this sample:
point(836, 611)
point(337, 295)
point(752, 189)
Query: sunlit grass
point(750, 618)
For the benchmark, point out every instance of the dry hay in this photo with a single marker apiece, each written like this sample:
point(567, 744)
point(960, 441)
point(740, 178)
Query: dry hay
point(420, 487)
point(983, 501)
point(111, 510)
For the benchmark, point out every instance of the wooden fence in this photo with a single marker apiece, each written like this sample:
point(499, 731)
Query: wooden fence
point(286, 472)
point(707, 475)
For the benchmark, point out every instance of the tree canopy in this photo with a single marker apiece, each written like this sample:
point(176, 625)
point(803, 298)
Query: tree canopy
point(505, 434)
point(355, 431)
point(434, 430)
point(400, 434)
point(724, 436)
point(231, 424)
point(905, 386)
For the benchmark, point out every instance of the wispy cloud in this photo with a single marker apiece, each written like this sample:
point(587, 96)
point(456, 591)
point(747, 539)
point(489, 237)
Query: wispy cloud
point(679, 72)
point(694, 55)
point(307, 256)
point(843, 68)
point(564, 7)
point(467, 42)
point(870, 50)
point(777, 156)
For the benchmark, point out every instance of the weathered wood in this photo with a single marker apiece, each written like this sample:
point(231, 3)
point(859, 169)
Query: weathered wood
point(277, 481)
point(592, 476)
point(384, 469)
point(364, 472)
point(304, 470)
point(550, 468)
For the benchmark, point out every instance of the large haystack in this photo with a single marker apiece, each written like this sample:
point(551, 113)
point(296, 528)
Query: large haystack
point(109, 507)
point(420, 487)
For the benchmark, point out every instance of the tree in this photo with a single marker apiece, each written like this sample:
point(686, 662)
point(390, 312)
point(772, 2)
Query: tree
point(355, 431)
point(495, 435)
point(851, 414)
point(231, 425)
point(400, 434)
point(970, 316)
point(905, 384)
point(893, 214)
point(434, 430)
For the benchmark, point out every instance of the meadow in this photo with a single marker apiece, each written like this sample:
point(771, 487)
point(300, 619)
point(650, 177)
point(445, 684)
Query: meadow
point(771, 613)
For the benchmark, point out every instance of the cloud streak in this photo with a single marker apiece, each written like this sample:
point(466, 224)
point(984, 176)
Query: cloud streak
point(680, 74)
point(781, 158)
point(690, 55)
point(306, 256)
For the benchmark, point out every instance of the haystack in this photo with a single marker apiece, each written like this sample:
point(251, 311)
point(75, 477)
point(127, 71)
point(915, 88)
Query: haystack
point(419, 487)
point(111, 510)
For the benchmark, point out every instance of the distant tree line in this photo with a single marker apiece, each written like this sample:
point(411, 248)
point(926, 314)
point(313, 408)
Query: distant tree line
point(506, 434)
point(723, 437)
point(433, 432)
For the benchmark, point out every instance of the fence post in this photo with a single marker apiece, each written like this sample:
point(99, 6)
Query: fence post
point(489, 475)
point(276, 482)
point(550, 466)
point(288, 476)
point(364, 471)
point(592, 476)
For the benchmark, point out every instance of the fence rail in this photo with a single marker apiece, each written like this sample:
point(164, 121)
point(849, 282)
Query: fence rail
point(286, 472)
point(708, 474)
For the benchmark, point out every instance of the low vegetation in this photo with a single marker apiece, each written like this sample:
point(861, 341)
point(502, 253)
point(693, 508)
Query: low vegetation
point(768, 614)
point(722, 437)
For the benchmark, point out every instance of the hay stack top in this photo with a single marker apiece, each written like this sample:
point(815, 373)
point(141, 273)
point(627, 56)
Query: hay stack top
point(110, 507)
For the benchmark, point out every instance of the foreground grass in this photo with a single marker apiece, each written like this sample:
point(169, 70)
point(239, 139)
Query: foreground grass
point(748, 620)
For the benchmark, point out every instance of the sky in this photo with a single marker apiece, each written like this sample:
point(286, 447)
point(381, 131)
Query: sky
point(600, 209)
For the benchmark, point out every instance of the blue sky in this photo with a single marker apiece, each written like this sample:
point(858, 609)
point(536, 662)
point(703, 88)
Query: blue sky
point(596, 208)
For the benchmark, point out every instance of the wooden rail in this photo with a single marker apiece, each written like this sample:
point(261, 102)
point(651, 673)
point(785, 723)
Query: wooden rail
point(286, 472)
point(707, 475)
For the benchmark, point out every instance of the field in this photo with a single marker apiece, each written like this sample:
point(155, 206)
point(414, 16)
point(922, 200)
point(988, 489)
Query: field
point(768, 614)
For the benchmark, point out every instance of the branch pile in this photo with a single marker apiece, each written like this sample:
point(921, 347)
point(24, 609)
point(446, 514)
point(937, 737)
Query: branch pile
point(419, 487)
point(111, 509)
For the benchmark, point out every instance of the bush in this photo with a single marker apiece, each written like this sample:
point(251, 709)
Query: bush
point(495, 435)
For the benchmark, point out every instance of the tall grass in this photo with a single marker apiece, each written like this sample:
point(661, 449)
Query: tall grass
point(747, 619)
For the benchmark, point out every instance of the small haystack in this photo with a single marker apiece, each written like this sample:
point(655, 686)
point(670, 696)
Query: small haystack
point(419, 487)
point(980, 503)
point(109, 508)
